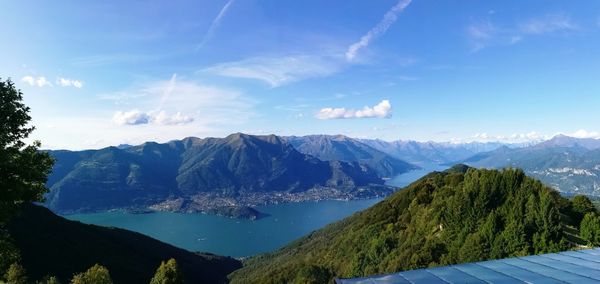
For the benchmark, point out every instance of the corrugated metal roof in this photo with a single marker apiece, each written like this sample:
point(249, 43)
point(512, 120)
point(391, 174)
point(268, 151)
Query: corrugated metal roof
point(581, 266)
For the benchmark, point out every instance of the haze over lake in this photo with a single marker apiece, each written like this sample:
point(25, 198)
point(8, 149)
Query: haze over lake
point(237, 237)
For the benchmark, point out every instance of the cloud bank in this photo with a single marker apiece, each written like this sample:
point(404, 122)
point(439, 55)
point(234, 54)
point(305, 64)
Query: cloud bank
point(388, 19)
point(381, 110)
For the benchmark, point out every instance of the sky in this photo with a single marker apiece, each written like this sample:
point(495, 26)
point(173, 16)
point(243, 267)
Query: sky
point(100, 73)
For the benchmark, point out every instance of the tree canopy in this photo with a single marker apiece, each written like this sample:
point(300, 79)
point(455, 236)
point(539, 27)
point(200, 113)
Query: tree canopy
point(23, 168)
point(167, 273)
point(97, 274)
point(16, 274)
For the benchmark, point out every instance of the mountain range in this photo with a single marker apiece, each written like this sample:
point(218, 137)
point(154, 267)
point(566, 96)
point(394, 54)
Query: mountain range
point(570, 165)
point(230, 175)
point(423, 153)
point(343, 148)
point(231, 167)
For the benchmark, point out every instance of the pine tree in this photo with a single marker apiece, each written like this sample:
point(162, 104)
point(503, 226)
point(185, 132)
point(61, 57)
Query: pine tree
point(590, 228)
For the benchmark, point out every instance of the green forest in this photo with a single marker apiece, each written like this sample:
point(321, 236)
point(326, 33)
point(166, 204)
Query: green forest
point(456, 216)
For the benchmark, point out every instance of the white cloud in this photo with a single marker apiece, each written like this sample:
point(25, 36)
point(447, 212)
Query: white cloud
point(215, 24)
point(41, 81)
point(36, 81)
point(388, 19)
point(132, 117)
point(582, 133)
point(64, 82)
point(381, 110)
point(177, 119)
point(278, 71)
point(137, 117)
point(530, 137)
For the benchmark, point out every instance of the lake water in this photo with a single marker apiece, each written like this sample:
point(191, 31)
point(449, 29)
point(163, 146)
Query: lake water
point(235, 237)
point(407, 178)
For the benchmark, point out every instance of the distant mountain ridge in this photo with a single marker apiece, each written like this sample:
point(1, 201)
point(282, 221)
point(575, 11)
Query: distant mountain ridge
point(568, 164)
point(343, 148)
point(565, 141)
point(433, 152)
point(236, 165)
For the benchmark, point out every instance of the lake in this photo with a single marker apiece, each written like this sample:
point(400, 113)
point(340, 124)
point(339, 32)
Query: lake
point(236, 237)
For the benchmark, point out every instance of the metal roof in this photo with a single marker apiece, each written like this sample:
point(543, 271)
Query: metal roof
point(580, 266)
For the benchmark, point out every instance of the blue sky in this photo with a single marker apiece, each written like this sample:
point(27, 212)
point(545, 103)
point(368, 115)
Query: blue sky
point(99, 73)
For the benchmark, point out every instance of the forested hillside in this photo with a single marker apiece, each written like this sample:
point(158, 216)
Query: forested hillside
point(460, 215)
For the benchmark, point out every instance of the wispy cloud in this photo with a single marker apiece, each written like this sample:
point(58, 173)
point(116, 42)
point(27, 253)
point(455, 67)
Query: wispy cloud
point(481, 34)
point(548, 24)
point(215, 24)
point(484, 33)
point(388, 19)
point(278, 71)
point(381, 110)
point(40, 81)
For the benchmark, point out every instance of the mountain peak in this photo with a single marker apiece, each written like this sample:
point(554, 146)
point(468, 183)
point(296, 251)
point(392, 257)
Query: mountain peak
point(562, 140)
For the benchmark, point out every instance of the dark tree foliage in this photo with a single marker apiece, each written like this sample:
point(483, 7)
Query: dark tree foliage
point(581, 205)
point(460, 215)
point(49, 280)
point(23, 169)
point(312, 274)
point(9, 254)
point(167, 273)
point(16, 274)
point(590, 228)
point(97, 274)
